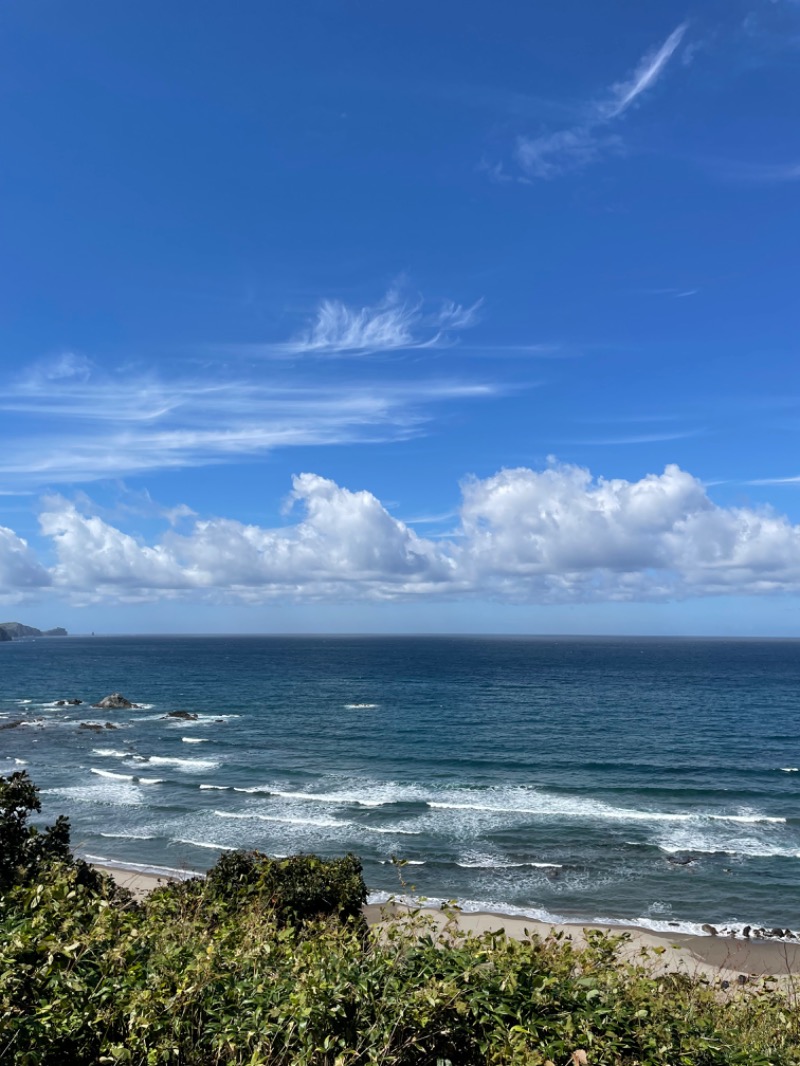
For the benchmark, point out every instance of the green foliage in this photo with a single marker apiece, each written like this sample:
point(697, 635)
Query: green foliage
point(296, 890)
point(266, 962)
point(25, 851)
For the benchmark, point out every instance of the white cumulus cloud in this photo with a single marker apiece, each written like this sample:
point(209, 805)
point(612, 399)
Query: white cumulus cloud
point(20, 571)
point(555, 535)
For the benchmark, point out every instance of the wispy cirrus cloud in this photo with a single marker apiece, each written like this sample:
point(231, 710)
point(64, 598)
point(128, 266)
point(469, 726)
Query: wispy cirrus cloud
point(636, 438)
point(112, 425)
point(792, 480)
point(757, 173)
point(552, 154)
point(395, 323)
point(644, 77)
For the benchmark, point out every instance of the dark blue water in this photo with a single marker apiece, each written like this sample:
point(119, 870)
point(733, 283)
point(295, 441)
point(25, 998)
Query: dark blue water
point(646, 780)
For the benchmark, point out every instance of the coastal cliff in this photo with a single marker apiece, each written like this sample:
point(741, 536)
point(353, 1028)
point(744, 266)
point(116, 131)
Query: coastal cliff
point(16, 630)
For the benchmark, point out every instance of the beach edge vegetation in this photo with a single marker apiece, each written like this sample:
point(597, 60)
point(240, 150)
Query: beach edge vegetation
point(268, 961)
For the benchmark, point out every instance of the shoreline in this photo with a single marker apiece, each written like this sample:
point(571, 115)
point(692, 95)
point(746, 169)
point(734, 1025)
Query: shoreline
point(713, 957)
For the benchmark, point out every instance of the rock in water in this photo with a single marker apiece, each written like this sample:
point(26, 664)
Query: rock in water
point(115, 702)
point(186, 715)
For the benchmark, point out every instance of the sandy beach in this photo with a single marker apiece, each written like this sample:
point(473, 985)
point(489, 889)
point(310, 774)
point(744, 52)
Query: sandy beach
point(717, 958)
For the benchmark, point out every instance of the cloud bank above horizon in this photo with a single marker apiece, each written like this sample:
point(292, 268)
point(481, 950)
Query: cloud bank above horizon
point(550, 536)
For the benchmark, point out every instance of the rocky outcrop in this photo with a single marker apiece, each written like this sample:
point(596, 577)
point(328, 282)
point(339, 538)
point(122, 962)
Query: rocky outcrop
point(16, 631)
point(4, 634)
point(187, 716)
point(115, 702)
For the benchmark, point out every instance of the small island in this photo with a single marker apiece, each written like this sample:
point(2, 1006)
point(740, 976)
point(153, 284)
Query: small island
point(18, 631)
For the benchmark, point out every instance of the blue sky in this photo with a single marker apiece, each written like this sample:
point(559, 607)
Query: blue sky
point(441, 317)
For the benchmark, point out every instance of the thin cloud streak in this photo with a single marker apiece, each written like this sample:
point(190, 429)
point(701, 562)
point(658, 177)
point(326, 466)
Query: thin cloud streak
point(758, 173)
point(643, 438)
point(773, 481)
point(117, 425)
point(537, 351)
point(551, 155)
point(625, 93)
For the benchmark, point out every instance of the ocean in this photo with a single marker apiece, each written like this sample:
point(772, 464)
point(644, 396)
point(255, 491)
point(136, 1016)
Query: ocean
point(639, 781)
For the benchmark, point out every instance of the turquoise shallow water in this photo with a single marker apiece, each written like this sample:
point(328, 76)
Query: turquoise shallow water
point(634, 780)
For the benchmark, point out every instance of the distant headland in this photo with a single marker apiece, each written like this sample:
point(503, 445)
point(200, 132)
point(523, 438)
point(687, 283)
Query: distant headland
point(16, 631)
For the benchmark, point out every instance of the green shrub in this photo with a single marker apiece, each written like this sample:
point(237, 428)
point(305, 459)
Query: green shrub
point(25, 851)
point(296, 890)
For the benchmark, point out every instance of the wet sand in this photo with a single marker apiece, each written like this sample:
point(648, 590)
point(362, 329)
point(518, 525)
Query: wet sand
point(713, 957)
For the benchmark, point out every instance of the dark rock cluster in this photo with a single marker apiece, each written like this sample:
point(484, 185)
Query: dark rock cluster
point(752, 932)
point(115, 702)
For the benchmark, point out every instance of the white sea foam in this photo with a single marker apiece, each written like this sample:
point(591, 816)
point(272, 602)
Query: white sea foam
point(390, 830)
point(187, 765)
point(128, 836)
point(748, 848)
point(204, 844)
point(116, 777)
point(746, 818)
point(406, 862)
point(342, 799)
point(110, 753)
point(365, 794)
point(170, 872)
point(539, 914)
point(791, 769)
point(470, 906)
point(128, 777)
point(319, 823)
point(217, 788)
point(500, 864)
point(550, 805)
point(361, 706)
point(195, 740)
point(112, 793)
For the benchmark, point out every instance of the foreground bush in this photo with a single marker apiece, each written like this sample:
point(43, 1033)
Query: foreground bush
point(296, 890)
point(262, 964)
point(27, 852)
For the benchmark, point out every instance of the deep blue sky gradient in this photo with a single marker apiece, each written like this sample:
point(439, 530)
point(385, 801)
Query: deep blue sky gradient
point(182, 186)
